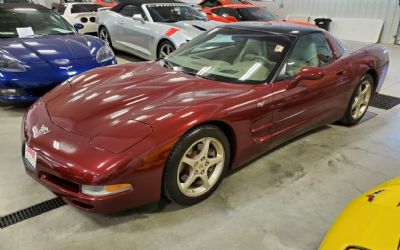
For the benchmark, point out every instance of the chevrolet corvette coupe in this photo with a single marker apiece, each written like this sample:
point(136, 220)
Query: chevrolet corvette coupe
point(151, 29)
point(371, 221)
point(39, 50)
point(122, 136)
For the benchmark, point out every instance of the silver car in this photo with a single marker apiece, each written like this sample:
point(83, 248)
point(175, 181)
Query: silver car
point(150, 29)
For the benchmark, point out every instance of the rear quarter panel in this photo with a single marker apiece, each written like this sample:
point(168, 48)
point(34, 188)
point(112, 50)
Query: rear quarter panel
point(372, 59)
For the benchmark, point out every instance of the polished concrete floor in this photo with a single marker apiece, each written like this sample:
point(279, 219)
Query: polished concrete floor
point(284, 200)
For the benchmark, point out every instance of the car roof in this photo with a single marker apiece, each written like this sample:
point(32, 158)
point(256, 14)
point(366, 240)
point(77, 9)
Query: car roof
point(275, 27)
point(22, 5)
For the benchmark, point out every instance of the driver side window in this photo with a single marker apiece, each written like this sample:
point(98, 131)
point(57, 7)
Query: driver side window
point(129, 10)
point(310, 51)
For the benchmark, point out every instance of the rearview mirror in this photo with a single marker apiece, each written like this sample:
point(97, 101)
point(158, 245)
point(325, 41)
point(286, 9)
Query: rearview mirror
point(309, 73)
point(78, 26)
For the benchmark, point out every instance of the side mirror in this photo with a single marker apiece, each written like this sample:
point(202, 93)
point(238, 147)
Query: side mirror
point(138, 17)
point(231, 19)
point(309, 73)
point(78, 26)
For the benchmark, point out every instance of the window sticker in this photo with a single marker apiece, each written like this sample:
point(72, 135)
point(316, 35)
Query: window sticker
point(279, 48)
point(25, 32)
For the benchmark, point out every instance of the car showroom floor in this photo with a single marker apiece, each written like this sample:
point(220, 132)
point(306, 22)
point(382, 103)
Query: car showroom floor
point(286, 199)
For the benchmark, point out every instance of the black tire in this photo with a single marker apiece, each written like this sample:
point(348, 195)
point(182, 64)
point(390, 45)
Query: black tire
point(102, 32)
point(170, 186)
point(348, 118)
point(163, 45)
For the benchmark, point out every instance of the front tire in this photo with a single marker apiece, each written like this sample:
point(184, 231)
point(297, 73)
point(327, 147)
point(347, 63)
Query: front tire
point(105, 35)
point(196, 165)
point(164, 49)
point(359, 101)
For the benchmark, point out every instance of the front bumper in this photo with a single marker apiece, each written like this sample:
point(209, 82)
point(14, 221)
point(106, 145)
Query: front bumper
point(70, 192)
point(66, 161)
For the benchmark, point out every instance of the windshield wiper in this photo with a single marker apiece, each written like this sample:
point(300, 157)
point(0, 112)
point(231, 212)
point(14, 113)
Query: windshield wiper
point(196, 75)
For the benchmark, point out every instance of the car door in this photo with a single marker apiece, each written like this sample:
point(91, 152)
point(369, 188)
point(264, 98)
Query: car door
point(303, 105)
point(134, 33)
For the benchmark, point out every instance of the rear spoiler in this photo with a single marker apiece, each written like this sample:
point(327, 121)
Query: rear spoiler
point(85, 14)
point(103, 9)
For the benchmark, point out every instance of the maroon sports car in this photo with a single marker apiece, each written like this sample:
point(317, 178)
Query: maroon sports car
point(118, 137)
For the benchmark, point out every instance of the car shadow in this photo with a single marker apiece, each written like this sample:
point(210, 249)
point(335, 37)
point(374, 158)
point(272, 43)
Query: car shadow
point(166, 206)
point(18, 108)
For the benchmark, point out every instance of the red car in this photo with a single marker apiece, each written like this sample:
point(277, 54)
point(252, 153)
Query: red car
point(214, 3)
point(244, 12)
point(106, 3)
point(118, 137)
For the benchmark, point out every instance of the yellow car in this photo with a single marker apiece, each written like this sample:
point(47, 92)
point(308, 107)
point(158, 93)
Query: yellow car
point(370, 222)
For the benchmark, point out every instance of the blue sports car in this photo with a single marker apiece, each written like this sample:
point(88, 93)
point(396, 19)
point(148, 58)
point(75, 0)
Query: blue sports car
point(39, 50)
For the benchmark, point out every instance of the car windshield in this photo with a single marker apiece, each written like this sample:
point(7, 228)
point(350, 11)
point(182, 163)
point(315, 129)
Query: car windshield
point(256, 14)
point(231, 55)
point(173, 13)
point(82, 8)
point(30, 22)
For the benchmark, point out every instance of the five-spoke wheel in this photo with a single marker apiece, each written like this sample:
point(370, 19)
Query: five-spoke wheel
point(164, 49)
point(104, 35)
point(359, 101)
point(201, 166)
point(196, 165)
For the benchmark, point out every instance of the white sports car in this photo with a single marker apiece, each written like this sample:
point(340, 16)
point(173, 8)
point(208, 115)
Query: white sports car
point(151, 29)
point(83, 13)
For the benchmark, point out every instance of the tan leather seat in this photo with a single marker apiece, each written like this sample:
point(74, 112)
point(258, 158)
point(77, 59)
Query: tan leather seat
point(251, 49)
point(305, 54)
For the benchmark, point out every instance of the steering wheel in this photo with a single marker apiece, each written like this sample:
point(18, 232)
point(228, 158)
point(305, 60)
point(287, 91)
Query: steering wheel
point(258, 58)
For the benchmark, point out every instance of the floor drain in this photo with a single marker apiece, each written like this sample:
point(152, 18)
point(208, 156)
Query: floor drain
point(30, 212)
point(385, 102)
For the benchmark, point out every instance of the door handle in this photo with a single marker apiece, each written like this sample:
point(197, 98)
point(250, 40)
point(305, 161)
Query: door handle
point(122, 22)
point(340, 72)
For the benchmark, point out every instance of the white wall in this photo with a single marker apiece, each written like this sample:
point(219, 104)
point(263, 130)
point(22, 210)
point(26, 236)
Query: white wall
point(387, 10)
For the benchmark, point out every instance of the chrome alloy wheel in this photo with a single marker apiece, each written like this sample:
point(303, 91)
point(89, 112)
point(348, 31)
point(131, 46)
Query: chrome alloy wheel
point(361, 100)
point(104, 35)
point(165, 50)
point(201, 167)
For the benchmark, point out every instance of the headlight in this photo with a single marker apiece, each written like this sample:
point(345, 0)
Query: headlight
point(104, 54)
point(10, 64)
point(97, 191)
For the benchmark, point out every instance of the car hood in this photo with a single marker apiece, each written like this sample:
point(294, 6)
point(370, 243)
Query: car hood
point(193, 28)
point(370, 221)
point(50, 48)
point(146, 92)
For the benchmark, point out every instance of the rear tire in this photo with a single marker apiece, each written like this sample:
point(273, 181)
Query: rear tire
point(359, 101)
point(196, 165)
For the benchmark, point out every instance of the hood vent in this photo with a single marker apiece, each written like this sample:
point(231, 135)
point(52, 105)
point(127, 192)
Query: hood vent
point(199, 28)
